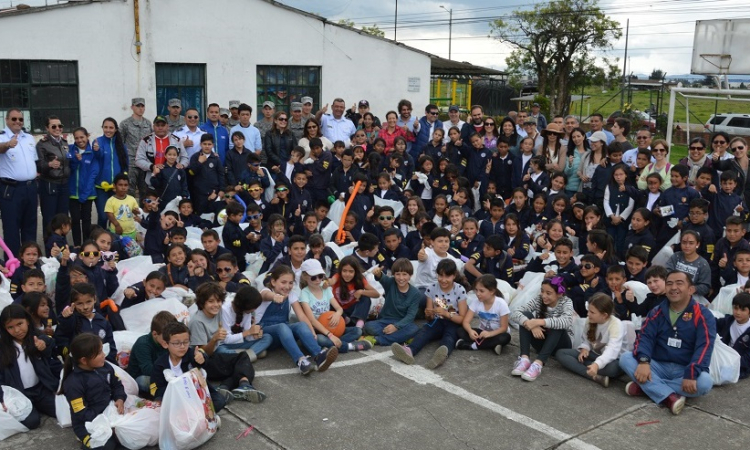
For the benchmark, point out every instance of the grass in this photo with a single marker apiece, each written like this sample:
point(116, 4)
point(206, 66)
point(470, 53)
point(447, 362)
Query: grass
point(677, 153)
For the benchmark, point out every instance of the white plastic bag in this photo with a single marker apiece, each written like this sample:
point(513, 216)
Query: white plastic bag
point(397, 206)
point(100, 431)
point(528, 289)
point(723, 302)
point(173, 205)
point(578, 325)
point(187, 418)
point(725, 364)
point(666, 252)
point(17, 404)
point(131, 271)
point(336, 211)
point(5, 297)
point(138, 427)
point(50, 267)
point(137, 318)
point(329, 230)
point(640, 290)
point(62, 411)
point(131, 387)
point(270, 191)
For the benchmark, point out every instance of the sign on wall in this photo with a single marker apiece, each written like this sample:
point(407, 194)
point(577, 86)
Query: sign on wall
point(414, 83)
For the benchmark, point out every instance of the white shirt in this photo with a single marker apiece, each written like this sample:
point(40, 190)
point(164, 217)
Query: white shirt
point(426, 274)
point(26, 369)
point(337, 129)
point(448, 125)
point(176, 370)
point(184, 133)
point(737, 330)
point(19, 162)
point(520, 131)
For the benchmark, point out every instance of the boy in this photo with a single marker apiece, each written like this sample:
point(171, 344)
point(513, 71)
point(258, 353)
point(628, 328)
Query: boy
point(189, 218)
point(156, 241)
point(415, 238)
point(395, 323)
point(603, 174)
point(615, 289)
point(429, 257)
point(362, 203)
point(734, 330)
point(122, 208)
point(585, 283)
point(494, 224)
point(274, 244)
point(321, 212)
point(386, 217)
point(288, 169)
point(146, 350)
point(295, 257)
point(704, 180)
point(32, 281)
point(234, 371)
point(206, 176)
point(493, 260)
point(679, 195)
point(300, 201)
point(504, 170)
point(319, 170)
point(393, 248)
point(337, 153)
point(254, 172)
point(725, 203)
point(235, 160)
point(178, 235)
point(328, 258)
point(656, 280)
point(255, 195)
point(636, 260)
point(229, 277)
point(309, 225)
point(563, 264)
point(237, 239)
point(724, 252)
point(741, 268)
point(697, 221)
point(210, 240)
point(351, 229)
point(255, 230)
point(341, 178)
point(367, 251)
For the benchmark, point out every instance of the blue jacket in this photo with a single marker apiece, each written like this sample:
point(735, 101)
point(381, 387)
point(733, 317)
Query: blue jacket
point(109, 162)
point(83, 174)
point(207, 176)
point(221, 138)
point(158, 386)
point(70, 327)
point(170, 183)
point(741, 345)
point(46, 367)
point(423, 136)
point(696, 328)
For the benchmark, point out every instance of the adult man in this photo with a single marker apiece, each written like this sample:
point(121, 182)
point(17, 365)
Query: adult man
point(529, 126)
point(151, 149)
point(253, 140)
point(673, 351)
point(356, 116)
point(18, 190)
point(520, 119)
point(642, 142)
point(476, 125)
point(424, 128)
point(264, 125)
point(596, 123)
point(214, 127)
point(454, 114)
point(133, 130)
point(234, 117)
point(570, 123)
point(541, 121)
point(307, 106)
point(174, 119)
point(296, 124)
point(224, 117)
point(190, 134)
point(335, 126)
point(406, 121)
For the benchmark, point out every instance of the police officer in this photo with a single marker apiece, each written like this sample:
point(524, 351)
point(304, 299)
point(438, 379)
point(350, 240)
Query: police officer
point(174, 119)
point(151, 149)
point(18, 190)
point(133, 130)
point(53, 166)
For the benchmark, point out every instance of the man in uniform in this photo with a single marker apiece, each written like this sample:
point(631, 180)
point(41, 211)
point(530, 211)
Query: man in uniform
point(224, 117)
point(133, 130)
point(151, 149)
point(174, 119)
point(18, 190)
point(335, 126)
point(234, 117)
point(264, 125)
point(214, 127)
point(307, 106)
point(190, 134)
point(296, 124)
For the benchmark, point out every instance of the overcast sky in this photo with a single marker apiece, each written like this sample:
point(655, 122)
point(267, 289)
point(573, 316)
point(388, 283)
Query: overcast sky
point(661, 32)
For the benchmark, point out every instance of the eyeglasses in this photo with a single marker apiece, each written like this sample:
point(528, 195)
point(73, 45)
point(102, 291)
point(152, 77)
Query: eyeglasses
point(317, 277)
point(16, 119)
point(433, 113)
point(739, 147)
point(55, 127)
point(311, 127)
point(720, 142)
point(223, 269)
point(697, 149)
point(659, 150)
point(642, 138)
point(175, 106)
point(253, 217)
point(282, 189)
point(587, 266)
point(191, 117)
point(385, 217)
point(489, 124)
point(90, 254)
point(180, 344)
point(282, 119)
point(255, 189)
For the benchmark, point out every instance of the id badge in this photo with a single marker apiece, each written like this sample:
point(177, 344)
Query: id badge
point(674, 342)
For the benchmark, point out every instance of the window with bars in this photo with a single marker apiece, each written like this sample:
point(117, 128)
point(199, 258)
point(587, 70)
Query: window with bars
point(41, 88)
point(184, 81)
point(286, 84)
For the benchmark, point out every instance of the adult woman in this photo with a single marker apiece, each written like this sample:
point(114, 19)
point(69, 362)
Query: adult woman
point(661, 166)
point(508, 129)
point(312, 130)
point(696, 158)
point(552, 149)
point(368, 126)
point(391, 131)
point(591, 160)
point(719, 145)
point(279, 141)
point(578, 146)
point(738, 147)
point(54, 169)
point(489, 134)
point(112, 157)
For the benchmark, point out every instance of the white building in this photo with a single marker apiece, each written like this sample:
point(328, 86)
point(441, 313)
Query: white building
point(81, 60)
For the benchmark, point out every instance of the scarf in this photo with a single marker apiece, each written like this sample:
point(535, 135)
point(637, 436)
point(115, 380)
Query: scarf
point(694, 166)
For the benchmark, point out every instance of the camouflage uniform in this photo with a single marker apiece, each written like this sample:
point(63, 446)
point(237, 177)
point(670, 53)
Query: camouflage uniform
point(132, 132)
point(175, 125)
point(264, 127)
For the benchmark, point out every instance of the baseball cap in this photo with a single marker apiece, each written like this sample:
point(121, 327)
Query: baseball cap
point(531, 120)
point(316, 142)
point(269, 104)
point(307, 100)
point(175, 102)
point(223, 112)
point(296, 106)
point(598, 136)
point(364, 104)
point(536, 104)
point(234, 104)
point(453, 108)
point(138, 101)
point(312, 267)
point(160, 119)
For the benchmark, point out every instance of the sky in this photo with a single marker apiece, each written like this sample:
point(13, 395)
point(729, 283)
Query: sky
point(661, 31)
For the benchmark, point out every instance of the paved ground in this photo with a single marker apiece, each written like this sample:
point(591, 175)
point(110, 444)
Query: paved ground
point(371, 400)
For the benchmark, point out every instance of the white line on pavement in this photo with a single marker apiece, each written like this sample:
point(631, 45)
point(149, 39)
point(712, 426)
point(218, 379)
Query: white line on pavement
point(369, 357)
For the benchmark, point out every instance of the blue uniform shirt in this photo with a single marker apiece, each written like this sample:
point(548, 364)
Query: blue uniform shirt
point(19, 162)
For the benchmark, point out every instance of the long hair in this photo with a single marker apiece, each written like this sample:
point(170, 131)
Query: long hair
point(514, 136)
point(308, 122)
point(604, 304)
point(448, 267)
point(358, 280)
point(120, 150)
point(406, 217)
point(572, 146)
point(487, 281)
point(85, 345)
point(8, 351)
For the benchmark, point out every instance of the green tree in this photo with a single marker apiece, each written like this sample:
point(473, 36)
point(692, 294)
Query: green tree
point(656, 74)
point(373, 30)
point(556, 43)
point(709, 81)
point(347, 23)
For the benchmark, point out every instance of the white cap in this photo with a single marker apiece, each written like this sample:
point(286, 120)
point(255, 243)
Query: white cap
point(312, 267)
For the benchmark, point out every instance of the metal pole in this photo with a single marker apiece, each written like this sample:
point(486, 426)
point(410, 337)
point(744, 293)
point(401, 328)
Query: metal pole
point(395, 22)
point(625, 64)
point(450, 28)
point(670, 117)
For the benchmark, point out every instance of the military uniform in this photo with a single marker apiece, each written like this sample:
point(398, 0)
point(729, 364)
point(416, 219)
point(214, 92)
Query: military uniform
point(175, 125)
point(132, 133)
point(264, 126)
point(18, 189)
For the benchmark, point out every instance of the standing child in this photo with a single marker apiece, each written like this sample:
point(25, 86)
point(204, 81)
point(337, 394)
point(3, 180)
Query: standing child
point(168, 180)
point(82, 181)
point(618, 205)
point(734, 330)
point(236, 239)
point(207, 176)
point(546, 324)
point(59, 227)
point(122, 208)
point(493, 314)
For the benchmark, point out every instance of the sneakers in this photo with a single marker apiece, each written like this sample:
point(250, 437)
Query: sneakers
point(248, 393)
point(402, 353)
point(305, 366)
point(459, 343)
point(251, 354)
point(675, 403)
point(522, 364)
point(604, 381)
point(325, 358)
point(226, 393)
point(370, 339)
point(262, 354)
point(498, 349)
point(438, 358)
point(533, 372)
point(633, 390)
point(361, 346)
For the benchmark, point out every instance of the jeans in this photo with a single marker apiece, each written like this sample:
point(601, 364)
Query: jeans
point(375, 328)
point(256, 346)
point(218, 400)
point(350, 335)
point(80, 218)
point(144, 385)
point(553, 341)
point(666, 378)
point(18, 205)
point(359, 310)
point(101, 201)
point(487, 344)
point(569, 359)
point(53, 199)
point(42, 400)
point(286, 335)
point(442, 329)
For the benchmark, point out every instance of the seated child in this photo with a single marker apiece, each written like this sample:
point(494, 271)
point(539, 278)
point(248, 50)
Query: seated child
point(33, 281)
point(563, 263)
point(352, 229)
point(740, 274)
point(295, 256)
point(429, 257)
point(689, 261)
point(58, 228)
point(656, 280)
point(156, 241)
point(468, 242)
point(256, 196)
point(229, 277)
point(636, 260)
point(352, 292)
point(239, 318)
point(734, 330)
point(617, 292)
point(395, 323)
point(585, 283)
point(493, 261)
point(493, 313)
point(327, 257)
point(200, 269)
point(367, 251)
point(189, 218)
point(698, 222)
point(148, 289)
point(81, 317)
point(145, 352)
point(393, 248)
point(176, 271)
point(29, 255)
point(211, 244)
point(38, 305)
point(274, 244)
point(725, 250)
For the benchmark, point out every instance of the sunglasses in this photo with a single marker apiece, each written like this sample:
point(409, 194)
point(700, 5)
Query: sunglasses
point(433, 113)
point(311, 127)
point(739, 147)
point(282, 119)
point(253, 217)
point(317, 277)
point(659, 150)
point(385, 217)
point(587, 266)
point(255, 189)
point(192, 117)
point(90, 254)
point(16, 119)
point(282, 189)
point(642, 138)
point(489, 124)
point(55, 127)
point(697, 149)
point(224, 269)
point(720, 142)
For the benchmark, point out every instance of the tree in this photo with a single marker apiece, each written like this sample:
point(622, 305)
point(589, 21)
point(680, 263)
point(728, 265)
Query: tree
point(373, 30)
point(709, 81)
point(656, 74)
point(555, 42)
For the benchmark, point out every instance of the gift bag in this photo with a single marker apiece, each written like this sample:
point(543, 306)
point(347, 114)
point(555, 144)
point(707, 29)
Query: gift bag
point(131, 271)
point(100, 431)
point(62, 411)
point(723, 302)
point(666, 252)
point(725, 364)
point(137, 318)
point(19, 408)
point(138, 427)
point(5, 297)
point(640, 290)
point(131, 387)
point(187, 417)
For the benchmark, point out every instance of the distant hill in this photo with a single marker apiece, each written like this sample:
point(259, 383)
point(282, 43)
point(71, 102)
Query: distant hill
point(692, 77)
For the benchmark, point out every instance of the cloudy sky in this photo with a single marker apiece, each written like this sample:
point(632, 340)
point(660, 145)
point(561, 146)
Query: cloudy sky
point(661, 31)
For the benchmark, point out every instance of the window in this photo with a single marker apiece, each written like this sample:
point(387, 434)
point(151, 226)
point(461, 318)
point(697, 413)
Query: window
point(40, 89)
point(739, 122)
point(184, 81)
point(286, 84)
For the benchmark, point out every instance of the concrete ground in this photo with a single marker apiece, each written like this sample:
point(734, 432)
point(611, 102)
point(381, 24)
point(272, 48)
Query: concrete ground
point(370, 400)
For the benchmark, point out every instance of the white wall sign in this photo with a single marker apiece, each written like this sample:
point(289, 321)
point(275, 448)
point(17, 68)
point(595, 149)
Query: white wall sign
point(414, 83)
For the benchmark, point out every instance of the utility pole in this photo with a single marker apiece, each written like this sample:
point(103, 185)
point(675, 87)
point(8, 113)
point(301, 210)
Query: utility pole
point(395, 22)
point(450, 29)
point(624, 64)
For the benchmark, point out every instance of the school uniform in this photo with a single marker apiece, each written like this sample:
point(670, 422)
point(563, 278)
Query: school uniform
point(487, 228)
point(723, 247)
point(175, 275)
point(52, 240)
point(329, 260)
point(500, 266)
point(273, 250)
point(16, 280)
point(477, 160)
point(644, 238)
point(582, 292)
point(724, 328)
point(205, 178)
point(321, 169)
point(235, 162)
point(170, 183)
point(153, 242)
point(402, 251)
point(708, 238)
point(234, 237)
point(639, 277)
point(194, 220)
point(105, 281)
point(72, 326)
point(724, 205)
point(522, 249)
point(140, 295)
point(237, 281)
point(341, 180)
point(505, 171)
point(473, 246)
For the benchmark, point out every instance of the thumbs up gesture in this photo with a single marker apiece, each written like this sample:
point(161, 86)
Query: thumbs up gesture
point(723, 261)
point(55, 251)
point(198, 356)
point(39, 344)
point(422, 255)
point(95, 145)
point(13, 141)
point(298, 211)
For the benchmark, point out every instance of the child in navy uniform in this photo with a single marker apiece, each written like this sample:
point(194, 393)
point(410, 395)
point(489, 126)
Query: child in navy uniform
point(393, 247)
point(59, 227)
point(492, 260)
point(148, 289)
point(726, 202)
point(734, 330)
point(639, 234)
point(636, 260)
point(176, 272)
point(81, 317)
point(188, 217)
point(698, 222)
point(207, 175)
point(468, 241)
point(328, 258)
point(169, 181)
point(236, 239)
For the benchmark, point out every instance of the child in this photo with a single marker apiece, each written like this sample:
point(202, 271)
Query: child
point(228, 276)
point(239, 318)
point(689, 261)
point(81, 317)
point(656, 279)
point(537, 214)
point(603, 173)
point(386, 189)
point(253, 174)
point(408, 219)
point(386, 218)
point(176, 271)
point(679, 195)
point(469, 242)
point(734, 330)
point(301, 201)
point(188, 217)
point(38, 305)
point(439, 213)
point(146, 350)
point(602, 343)
point(617, 292)
point(536, 180)
point(294, 256)
point(210, 240)
point(726, 248)
point(639, 234)
point(636, 260)
point(493, 261)
point(429, 257)
point(456, 215)
point(600, 243)
point(618, 205)
point(169, 180)
point(33, 281)
point(446, 307)
point(235, 237)
point(234, 372)
point(156, 241)
point(741, 268)
point(315, 300)
point(352, 292)
point(320, 170)
point(495, 223)
point(516, 240)
point(725, 203)
point(82, 182)
point(341, 178)
point(256, 194)
point(562, 265)
point(327, 257)
point(395, 322)
point(148, 289)
point(200, 269)
point(27, 363)
point(235, 160)
point(288, 169)
point(89, 385)
point(105, 281)
point(122, 208)
point(424, 185)
point(698, 222)
point(393, 248)
point(546, 242)
point(493, 313)
point(275, 243)
point(546, 324)
point(206, 176)
point(29, 256)
point(477, 158)
point(367, 251)
point(59, 227)
point(585, 283)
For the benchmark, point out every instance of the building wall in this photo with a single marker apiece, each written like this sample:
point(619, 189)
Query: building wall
point(230, 36)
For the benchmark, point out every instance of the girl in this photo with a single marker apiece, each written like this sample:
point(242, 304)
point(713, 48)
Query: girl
point(379, 146)
point(578, 146)
point(275, 322)
point(537, 180)
point(83, 174)
point(592, 220)
point(537, 216)
point(238, 318)
point(600, 243)
point(81, 317)
point(493, 313)
point(456, 150)
point(168, 180)
point(639, 233)
point(368, 126)
point(386, 189)
point(469, 241)
point(111, 158)
point(200, 269)
point(352, 292)
point(462, 199)
point(559, 208)
point(413, 206)
point(434, 148)
point(148, 289)
point(618, 205)
point(89, 384)
point(477, 158)
point(359, 156)
point(58, 228)
point(316, 298)
point(439, 213)
point(176, 271)
point(456, 215)
point(553, 232)
point(106, 281)
point(446, 307)
point(546, 323)
point(516, 240)
point(690, 262)
point(37, 304)
point(425, 188)
point(558, 181)
point(280, 202)
point(519, 206)
point(575, 224)
point(27, 363)
point(602, 343)
point(30, 253)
